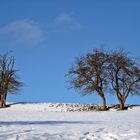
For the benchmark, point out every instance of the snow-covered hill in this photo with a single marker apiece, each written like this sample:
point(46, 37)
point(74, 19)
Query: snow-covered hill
point(48, 121)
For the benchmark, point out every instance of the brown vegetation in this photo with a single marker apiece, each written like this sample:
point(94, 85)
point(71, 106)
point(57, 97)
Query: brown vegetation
point(9, 82)
point(100, 71)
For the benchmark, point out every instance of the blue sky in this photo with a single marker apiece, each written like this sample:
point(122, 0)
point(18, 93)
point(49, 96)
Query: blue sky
point(46, 36)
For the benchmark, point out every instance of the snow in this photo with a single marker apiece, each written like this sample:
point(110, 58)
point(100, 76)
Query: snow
point(48, 121)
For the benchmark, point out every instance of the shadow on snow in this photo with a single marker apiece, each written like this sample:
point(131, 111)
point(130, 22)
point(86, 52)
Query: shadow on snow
point(47, 122)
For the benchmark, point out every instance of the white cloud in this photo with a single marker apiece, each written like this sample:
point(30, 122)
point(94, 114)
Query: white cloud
point(65, 22)
point(23, 32)
point(64, 18)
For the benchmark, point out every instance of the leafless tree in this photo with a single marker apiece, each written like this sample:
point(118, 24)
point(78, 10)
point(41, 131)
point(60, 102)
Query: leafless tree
point(124, 75)
point(9, 82)
point(88, 74)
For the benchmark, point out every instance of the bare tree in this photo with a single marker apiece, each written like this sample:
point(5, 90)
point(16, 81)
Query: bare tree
point(88, 74)
point(124, 75)
point(9, 82)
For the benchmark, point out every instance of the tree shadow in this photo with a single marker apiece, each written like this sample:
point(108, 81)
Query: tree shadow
point(47, 122)
point(10, 104)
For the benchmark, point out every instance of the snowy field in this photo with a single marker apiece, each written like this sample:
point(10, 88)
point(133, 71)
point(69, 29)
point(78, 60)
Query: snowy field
point(45, 121)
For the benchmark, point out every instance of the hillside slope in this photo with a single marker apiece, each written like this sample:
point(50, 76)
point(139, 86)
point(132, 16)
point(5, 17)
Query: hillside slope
point(46, 121)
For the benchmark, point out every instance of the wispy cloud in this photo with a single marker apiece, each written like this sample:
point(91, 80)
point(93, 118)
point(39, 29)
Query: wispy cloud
point(65, 22)
point(23, 32)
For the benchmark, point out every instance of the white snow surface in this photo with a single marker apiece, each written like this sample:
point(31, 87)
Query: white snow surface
point(48, 121)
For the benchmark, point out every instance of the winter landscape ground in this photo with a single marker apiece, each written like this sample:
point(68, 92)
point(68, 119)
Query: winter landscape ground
point(47, 121)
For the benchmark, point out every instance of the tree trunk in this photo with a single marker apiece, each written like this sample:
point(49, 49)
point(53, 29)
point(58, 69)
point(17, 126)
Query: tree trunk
point(101, 93)
point(104, 103)
point(5, 97)
point(2, 101)
point(122, 104)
